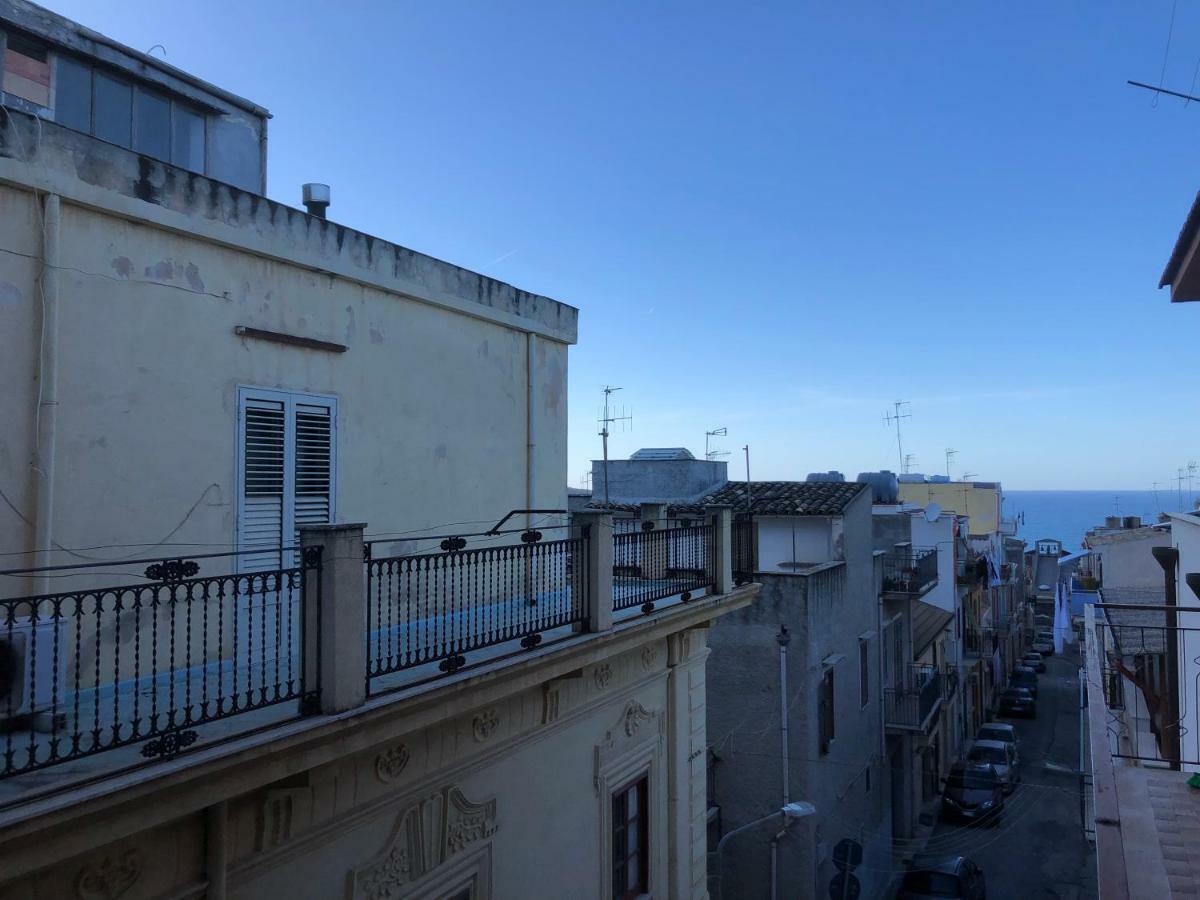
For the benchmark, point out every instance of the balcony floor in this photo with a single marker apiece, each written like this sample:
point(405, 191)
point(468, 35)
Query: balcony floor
point(1160, 828)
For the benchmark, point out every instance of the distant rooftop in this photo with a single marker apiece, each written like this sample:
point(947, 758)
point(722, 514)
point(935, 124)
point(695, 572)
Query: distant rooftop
point(663, 453)
point(789, 498)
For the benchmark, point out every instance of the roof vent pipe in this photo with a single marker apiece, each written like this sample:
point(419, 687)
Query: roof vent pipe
point(316, 199)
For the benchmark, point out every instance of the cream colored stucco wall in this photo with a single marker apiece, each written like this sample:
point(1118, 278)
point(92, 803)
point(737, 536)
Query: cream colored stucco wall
point(980, 504)
point(431, 404)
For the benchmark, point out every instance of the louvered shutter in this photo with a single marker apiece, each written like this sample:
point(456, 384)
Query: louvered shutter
point(286, 473)
point(314, 469)
point(261, 516)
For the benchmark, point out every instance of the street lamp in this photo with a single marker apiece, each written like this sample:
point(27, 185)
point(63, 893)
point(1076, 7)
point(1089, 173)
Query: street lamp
point(791, 812)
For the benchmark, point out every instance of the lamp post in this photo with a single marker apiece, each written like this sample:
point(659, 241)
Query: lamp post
point(790, 812)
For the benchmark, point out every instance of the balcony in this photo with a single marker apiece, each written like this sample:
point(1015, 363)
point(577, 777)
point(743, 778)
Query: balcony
point(911, 707)
point(136, 662)
point(971, 570)
point(910, 573)
point(1142, 718)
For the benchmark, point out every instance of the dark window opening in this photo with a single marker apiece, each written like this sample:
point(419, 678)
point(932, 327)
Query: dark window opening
point(73, 94)
point(113, 110)
point(825, 712)
point(152, 124)
point(630, 841)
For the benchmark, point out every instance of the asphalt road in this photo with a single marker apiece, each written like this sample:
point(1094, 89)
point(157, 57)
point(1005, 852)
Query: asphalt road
point(1038, 848)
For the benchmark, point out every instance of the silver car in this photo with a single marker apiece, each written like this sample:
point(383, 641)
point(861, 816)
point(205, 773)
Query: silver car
point(1002, 756)
point(1002, 732)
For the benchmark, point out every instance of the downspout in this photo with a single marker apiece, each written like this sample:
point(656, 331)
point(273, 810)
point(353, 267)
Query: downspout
point(784, 639)
point(530, 427)
point(47, 409)
point(1168, 558)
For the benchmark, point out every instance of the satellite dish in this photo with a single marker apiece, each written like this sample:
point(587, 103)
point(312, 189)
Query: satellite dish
point(932, 511)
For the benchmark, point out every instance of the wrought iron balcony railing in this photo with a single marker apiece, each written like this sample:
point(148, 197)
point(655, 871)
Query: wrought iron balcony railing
point(912, 704)
point(913, 572)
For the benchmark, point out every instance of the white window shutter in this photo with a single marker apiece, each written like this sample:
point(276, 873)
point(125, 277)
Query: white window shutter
point(286, 452)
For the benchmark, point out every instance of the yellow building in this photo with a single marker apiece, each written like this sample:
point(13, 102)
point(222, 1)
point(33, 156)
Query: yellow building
point(979, 501)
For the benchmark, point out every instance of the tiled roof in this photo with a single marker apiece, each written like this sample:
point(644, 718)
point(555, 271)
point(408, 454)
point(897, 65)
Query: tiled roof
point(1135, 631)
point(928, 621)
point(788, 498)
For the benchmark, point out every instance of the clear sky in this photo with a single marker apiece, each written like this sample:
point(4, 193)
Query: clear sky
point(776, 218)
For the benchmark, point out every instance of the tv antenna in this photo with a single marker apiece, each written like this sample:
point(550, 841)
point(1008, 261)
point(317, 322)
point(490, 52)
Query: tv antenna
point(610, 417)
point(1191, 474)
point(1157, 502)
point(716, 432)
point(909, 459)
point(749, 503)
point(967, 476)
point(950, 454)
point(895, 416)
point(1179, 476)
point(586, 480)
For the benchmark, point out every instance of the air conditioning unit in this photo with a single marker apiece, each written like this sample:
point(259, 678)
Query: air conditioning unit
point(29, 680)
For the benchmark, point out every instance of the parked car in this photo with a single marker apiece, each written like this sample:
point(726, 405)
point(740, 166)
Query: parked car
point(973, 792)
point(1000, 731)
point(1003, 758)
point(1043, 643)
point(1034, 660)
point(951, 876)
point(1016, 701)
point(1024, 677)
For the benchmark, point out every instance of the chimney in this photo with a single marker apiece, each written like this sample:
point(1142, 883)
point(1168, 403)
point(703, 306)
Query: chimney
point(316, 199)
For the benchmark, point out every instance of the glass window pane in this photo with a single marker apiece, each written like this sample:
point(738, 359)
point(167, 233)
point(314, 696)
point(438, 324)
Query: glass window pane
point(633, 801)
point(73, 94)
point(113, 110)
point(152, 124)
point(631, 837)
point(187, 139)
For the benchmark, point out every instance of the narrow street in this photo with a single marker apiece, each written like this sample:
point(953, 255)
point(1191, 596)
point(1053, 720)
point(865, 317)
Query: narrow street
point(1038, 849)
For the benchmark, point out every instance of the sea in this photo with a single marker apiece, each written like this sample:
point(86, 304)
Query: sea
point(1067, 515)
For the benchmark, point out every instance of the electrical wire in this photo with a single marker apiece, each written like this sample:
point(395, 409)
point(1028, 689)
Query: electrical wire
point(1162, 75)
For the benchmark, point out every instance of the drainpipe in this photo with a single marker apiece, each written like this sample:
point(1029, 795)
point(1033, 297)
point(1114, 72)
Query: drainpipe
point(47, 410)
point(1168, 558)
point(784, 639)
point(530, 427)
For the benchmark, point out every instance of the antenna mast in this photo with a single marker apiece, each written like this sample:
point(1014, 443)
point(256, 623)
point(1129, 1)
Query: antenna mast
point(716, 432)
point(950, 454)
point(607, 419)
point(749, 505)
point(909, 459)
point(896, 416)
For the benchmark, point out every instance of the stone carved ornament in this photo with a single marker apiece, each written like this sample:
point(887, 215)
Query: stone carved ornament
point(602, 676)
point(485, 724)
point(427, 834)
point(391, 762)
point(110, 878)
point(636, 727)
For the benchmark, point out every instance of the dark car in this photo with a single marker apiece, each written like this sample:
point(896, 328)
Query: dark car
point(999, 731)
point(952, 876)
point(974, 792)
point(1003, 758)
point(1024, 677)
point(1034, 660)
point(1016, 701)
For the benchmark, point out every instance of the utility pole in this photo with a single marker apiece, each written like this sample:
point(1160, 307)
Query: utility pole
point(716, 432)
point(605, 420)
point(896, 416)
point(950, 454)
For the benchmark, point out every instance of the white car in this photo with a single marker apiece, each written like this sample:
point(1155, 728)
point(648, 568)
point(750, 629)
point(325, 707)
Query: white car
point(1002, 756)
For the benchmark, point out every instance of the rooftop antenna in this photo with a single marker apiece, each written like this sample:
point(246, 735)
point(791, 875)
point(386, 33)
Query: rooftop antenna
point(1117, 503)
point(1191, 474)
point(749, 505)
point(967, 476)
point(586, 480)
point(716, 432)
point(606, 419)
point(896, 416)
point(1157, 502)
point(1179, 485)
point(950, 454)
point(909, 459)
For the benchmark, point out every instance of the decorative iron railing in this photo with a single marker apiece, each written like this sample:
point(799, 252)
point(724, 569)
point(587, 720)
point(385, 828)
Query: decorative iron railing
point(657, 563)
point(1149, 667)
point(92, 669)
point(438, 607)
point(910, 572)
point(911, 705)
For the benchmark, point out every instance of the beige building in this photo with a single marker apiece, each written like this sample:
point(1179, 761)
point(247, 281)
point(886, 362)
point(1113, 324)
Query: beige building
point(197, 380)
point(979, 501)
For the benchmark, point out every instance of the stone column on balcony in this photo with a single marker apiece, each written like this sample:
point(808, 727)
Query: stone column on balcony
point(721, 517)
point(335, 617)
point(596, 528)
point(654, 554)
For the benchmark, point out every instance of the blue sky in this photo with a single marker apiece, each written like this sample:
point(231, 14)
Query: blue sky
point(776, 218)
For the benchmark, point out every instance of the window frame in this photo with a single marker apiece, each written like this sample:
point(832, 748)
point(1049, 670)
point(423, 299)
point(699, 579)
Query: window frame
point(641, 785)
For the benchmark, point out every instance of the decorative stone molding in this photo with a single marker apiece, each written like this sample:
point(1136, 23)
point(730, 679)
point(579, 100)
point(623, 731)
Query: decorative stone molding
point(649, 656)
point(636, 728)
point(485, 724)
point(633, 717)
point(551, 703)
point(110, 878)
point(602, 675)
point(285, 812)
point(391, 762)
point(427, 834)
